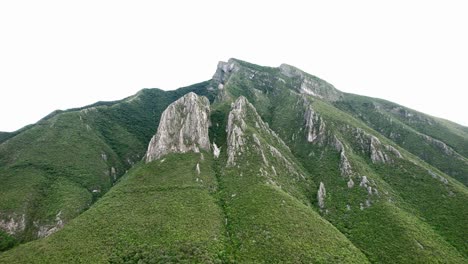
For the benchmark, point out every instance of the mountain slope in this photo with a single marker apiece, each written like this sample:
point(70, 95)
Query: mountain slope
point(341, 151)
point(279, 167)
point(54, 170)
point(152, 219)
point(441, 143)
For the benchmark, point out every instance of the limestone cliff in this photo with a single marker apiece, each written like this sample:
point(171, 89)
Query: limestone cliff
point(183, 127)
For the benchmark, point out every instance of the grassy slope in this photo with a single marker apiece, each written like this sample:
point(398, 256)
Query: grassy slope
point(158, 212)
point(53, 166)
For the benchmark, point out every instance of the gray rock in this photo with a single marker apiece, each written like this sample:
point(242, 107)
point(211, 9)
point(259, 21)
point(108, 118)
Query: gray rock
point(350, 183)
point(394, 151)
point(13, 224)
point(216, 150)
point(364, 182)
point(438, 177)
point(321, 194)
point(315, 126)
point(376, 154)
point(183, 127)
point(47, 230)
point(345, 166)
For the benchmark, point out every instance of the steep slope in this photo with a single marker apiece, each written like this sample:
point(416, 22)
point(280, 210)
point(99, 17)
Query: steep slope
point(54, 170)
point(367, 178)
point(265, 196)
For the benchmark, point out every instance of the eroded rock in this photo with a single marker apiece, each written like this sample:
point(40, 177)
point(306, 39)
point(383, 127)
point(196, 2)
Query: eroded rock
point(13, 224)
point(47, 230)
point(321, 194)
point(183, 127)
point(216, 150)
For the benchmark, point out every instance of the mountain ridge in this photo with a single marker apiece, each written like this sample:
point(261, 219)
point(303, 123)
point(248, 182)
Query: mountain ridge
point(356, 167)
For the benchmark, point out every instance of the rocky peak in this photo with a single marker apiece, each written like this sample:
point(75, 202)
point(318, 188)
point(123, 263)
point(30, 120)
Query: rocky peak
point(224, 71)
point(183, 127)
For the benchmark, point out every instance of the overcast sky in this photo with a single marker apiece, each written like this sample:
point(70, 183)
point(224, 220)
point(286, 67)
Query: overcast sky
point(64, 54)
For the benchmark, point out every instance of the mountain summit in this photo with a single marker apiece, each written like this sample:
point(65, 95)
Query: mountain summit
point(256, 165)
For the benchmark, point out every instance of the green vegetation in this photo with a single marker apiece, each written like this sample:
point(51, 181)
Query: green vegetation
point(70, 158)
point(263, 208)
point(406, 127)
point(162, 211)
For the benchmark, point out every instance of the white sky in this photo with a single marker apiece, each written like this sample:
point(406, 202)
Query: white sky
point(64, 54)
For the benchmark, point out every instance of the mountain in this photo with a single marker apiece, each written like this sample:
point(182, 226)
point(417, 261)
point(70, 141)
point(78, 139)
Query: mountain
point(258, 164)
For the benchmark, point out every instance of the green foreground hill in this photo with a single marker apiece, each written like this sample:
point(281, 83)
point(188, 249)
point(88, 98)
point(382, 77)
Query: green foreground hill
point(295, 171)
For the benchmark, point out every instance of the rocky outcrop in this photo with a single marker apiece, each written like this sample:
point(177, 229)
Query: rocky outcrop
point(321, 194)
point(394, 151)
point(438, 177)
point(216, 150)
point(243, 120)
point(13, 224)
point(350, 183)
point(183, 127)
point(223, 72)
point(345, 166)
point(235, 130)
point(315, 126)
point(47, 230)
point(376, 154)
point(237, 125)
point(369, 144)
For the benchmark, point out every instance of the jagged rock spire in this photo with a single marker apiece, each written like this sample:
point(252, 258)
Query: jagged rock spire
point(183, 127)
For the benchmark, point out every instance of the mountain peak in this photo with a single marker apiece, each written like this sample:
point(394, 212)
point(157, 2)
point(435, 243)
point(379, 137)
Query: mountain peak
point(183, 127)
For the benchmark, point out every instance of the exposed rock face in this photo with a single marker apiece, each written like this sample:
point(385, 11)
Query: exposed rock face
point(235, 130)
point(345, 166)
point(13, 224)
point(244, 115)
point(394, 151)
point(183, 127)
point(364, 182)
point(216, 150)
point(221, 78)
point(376, 154)
point(350, 183)
point(321, 194)
point(370, 144)
point(45, 231)
point(311, 85)
point(236, 127)
point(438, 177)
point(314, 125)
point(223, 71)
